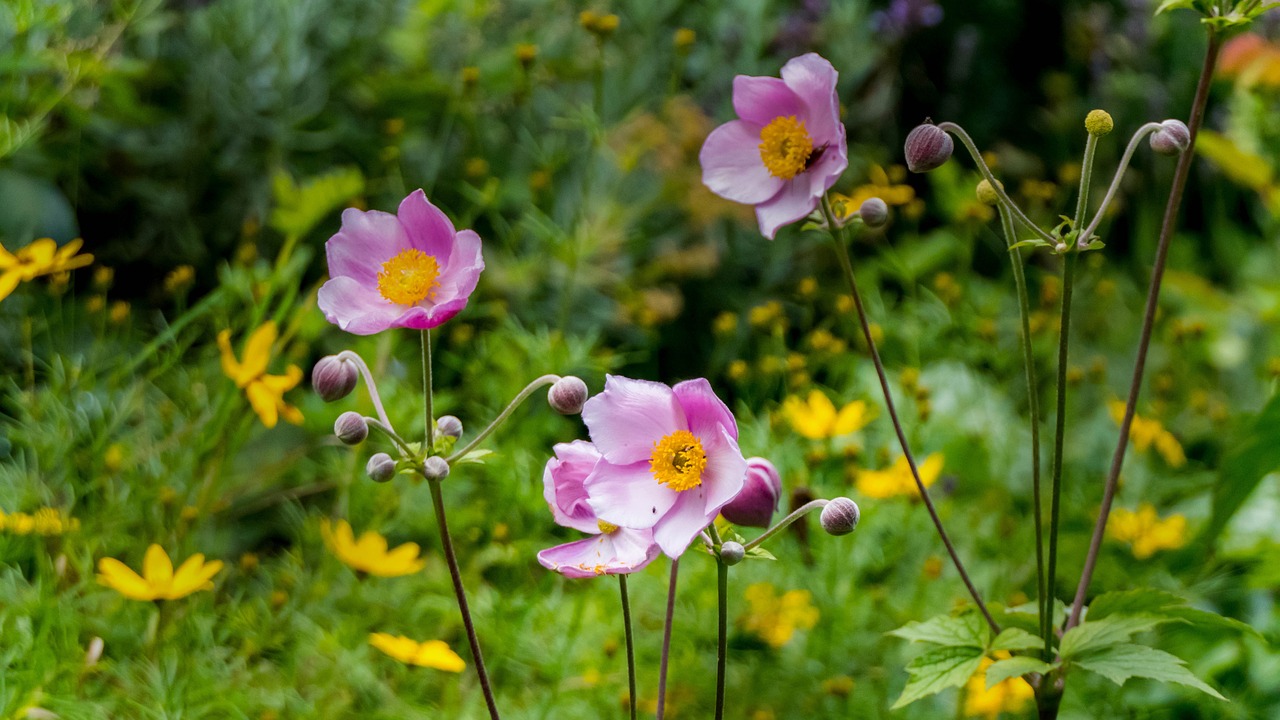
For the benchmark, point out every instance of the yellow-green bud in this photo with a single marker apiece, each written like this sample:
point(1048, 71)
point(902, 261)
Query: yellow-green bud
point(987, 194)
point(1099, 123)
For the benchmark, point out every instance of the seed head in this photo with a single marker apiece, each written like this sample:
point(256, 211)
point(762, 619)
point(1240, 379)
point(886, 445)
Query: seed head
point(351, 428)
point(927, 148)
point(840, 516)
point(1099, 123)
point(334, 378)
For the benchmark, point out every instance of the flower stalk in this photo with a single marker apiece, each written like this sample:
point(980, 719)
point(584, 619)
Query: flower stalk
point(631, 654)
point(502, 416)
point(666, 638)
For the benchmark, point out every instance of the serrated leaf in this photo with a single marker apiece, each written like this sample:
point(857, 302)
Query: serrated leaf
point(759, 553)
point(1118, 663)
point(1033, 242)
point(299, 207)
point(1098, 634)
point(1204, 619)
point(1168, 5)
point(967, 630)
point(475, 456)
point(939, 669)
point(1144, 601)
point(1002, 670)
point(1016, 639)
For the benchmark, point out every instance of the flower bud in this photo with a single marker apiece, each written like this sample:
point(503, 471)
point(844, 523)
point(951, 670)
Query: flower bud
point(435, 468)
point(94, 652)
point(874, 212)
point(1172, 138)
point(987, 194)
point(840, 516)
point(1099, 123)
point(351, 428)
point(449, 426)
point(567, 395)
point(753, 506)
point(731, 553)
point(334, 378)
point(927, 148)
point(380, 467)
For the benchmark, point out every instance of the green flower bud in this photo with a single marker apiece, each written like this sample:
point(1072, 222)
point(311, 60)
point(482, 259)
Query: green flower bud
point(987, 194)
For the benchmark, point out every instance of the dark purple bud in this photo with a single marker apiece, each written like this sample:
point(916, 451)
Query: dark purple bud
point(753, 506)
point(435, 468)
point(380, 467)
point(840, 516)
point(731, 553)
point(334, 378)
point(1172, 138)
point(450, 426)
point(927, 148)
point(351, 428)
point(567, 395)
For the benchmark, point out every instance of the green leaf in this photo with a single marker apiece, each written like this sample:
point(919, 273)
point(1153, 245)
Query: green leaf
point(475, 456)
point(1118, 663)
point(1002, 670)
point(1257, 455)
point(1168, 5)
point(299, 207)
point(1033, 242)
point(939, 669)
point(759, 553)
point(967, 630)
point(1016, 639)
point(1163, 604)
point(1091, 636)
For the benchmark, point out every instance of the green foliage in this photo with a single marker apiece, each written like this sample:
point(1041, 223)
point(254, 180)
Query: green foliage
point(298, 208)
point(1256, 455)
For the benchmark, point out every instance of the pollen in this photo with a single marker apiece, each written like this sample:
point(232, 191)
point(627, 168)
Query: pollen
point(785, 147)
point(409, 277)
point(607, 528)
point(678, 461)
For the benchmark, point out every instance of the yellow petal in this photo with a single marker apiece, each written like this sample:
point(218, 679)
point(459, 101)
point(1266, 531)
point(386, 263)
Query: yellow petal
point(119, 577)
point(157, 569)
point(9, 280)
point(283, 383)
point(930, 469)
point(265, 402)
point(7, 259)
point(436, 654)
point(230, 366)
point(193, 575)
point(257, 352)
point(852, 418)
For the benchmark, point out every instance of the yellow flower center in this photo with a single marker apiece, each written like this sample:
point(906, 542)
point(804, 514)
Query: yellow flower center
point(409, 277)
point(785, 147)
point(607, 528)
point(678, 461)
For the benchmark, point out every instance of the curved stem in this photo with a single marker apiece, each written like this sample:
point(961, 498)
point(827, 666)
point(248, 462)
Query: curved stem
point(405, 450)
point(502, 417)
point(666, 639)
point(446, 543)
point(368, 383)
point(631, 654)
point(1005, 200)
point(1033, 403)
point(1086, 176)
point(786, 521)
point(428, 415)
point(847, 266)
point(1148, 321)
point(722, 647)
point(1142, 132)
point(1059, 440)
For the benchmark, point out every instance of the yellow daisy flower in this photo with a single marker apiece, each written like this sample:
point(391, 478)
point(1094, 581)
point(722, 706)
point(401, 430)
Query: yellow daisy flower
point(1145, 531)
point(369, 554)
point(1146, 433)
point(775, 618)
point(159, 581)
point(896, 479)
point(265, 392)
point(818, 419)
point(41, 257)
point(430, 653)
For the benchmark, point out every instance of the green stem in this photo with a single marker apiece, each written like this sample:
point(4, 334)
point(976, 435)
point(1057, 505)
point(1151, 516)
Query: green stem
point(1086, 177)
point(1142, 132)
point(631, 654)
point(502, 417)
point(1005, 200)
point(847, 266)
point(1059, 439)
point(1033, 403)
point(428, 410)
point(666, 638)
point(786, 521)
point(722, 647)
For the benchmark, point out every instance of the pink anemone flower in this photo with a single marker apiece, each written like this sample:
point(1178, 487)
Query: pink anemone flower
point(408, 270)
point(612, 550)
point(786, 149)
point(669, 458)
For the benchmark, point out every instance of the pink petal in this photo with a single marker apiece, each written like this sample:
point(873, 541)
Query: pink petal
point(683, 522)
point(562, 485)
point(365, 241)
point(628, 495)
point(629, 417)
point(812, 78)
point(355, 307)
point(731, 164)
point(706, 413)
point(634, 548)
point(428, 229)
point(425, 317)
point(794, 203)
point(582, 559)
point(459, 277)
point(759, 100)
point(725, 474)
point(824, 173)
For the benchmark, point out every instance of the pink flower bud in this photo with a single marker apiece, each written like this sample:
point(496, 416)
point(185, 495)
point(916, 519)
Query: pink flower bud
point(334, 378)
point(380, 467)
point(351, 428)
point(840, 516)
point(568, 395)
point(731, 553)
point(449, 426)
point(874, 212)
point(927, 148)
point(753, 506)
point(1172, 138)
point(435, 468)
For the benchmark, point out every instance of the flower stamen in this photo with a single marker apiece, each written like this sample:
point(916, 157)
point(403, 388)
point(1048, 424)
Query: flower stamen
point(785, 147)
point(607, 528)
point(678, 461)
point(409, 277)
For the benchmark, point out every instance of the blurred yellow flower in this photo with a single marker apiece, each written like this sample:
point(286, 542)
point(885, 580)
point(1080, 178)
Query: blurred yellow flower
point(818, 419)
point(1007, 696)
point(158, 580)
point(684, 38)
point(896, 479)
point(430, 653)
point(265, 392)
point(1146, 432)
point(41, 257)
point(179, 279)
point(45, 521)
point(775, 618)
point(369, 554)
point(1145, 531)
point(889, 186)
